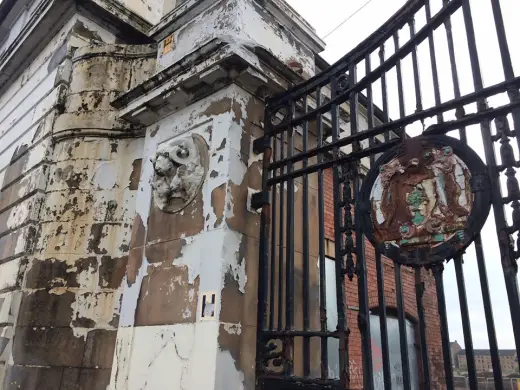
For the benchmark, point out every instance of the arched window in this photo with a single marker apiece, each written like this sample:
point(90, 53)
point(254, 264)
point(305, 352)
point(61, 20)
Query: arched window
point(375, 331)
point(394, 347)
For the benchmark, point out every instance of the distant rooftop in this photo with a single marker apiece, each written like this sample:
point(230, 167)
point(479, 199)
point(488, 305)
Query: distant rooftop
point(486, 352)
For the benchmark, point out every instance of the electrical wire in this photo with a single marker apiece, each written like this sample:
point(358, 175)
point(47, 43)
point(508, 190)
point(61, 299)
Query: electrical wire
point(347, 19)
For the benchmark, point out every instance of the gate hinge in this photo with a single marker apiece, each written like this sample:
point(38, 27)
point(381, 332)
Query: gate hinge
point(480, 182)
point(261, 144)
point(259, 200)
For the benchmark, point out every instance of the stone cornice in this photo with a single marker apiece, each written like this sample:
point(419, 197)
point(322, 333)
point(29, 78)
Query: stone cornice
point(86, 105)
point(294, 22)
point(118, 18)
point(49, 16)
point(204, 71)
point(45, 22)
point(281, 11)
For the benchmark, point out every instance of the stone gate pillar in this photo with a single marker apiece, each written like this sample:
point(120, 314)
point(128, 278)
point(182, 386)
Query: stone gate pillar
point(188, 312)
point(189, 299)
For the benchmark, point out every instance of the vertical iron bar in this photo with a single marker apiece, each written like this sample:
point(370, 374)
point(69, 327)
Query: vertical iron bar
point(488, 312)
point(361, 271)
point(281, 239)
point(400, 90)
point(433, 60)
point(506, 249)
point(470, 358)
point(305, 249)
point(419, 293)
point(339, 249)
point(438, 270)
point(507, 64)
point(321, 233)
point(384, 91)
point(459, 112)
point(382, 321)
point(415, 63)
point(289, 254)
point(370, 107)
point(466, 325)
point(263, 263)
point(405, 363)
point(272, 293)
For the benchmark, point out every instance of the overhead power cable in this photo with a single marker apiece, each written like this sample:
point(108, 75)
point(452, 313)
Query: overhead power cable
point(347, 19)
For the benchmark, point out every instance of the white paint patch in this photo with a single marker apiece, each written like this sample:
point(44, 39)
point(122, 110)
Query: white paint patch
point(18, 215)
point(237, 169)
point(9, 273)
point(6, 303)
point(100, 307)
point(233, 328)
point(105, 176)
point(121, 360)
point(231, 261)
point(181, 356)
point(191, 256)
point(228, 376)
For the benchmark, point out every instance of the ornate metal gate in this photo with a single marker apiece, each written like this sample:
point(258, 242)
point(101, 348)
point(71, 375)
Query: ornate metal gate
point(412, 205)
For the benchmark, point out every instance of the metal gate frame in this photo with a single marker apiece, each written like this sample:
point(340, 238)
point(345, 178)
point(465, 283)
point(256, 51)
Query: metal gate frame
point(290, 115)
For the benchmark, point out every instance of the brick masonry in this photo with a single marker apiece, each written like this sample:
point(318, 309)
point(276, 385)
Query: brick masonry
point(433, 334)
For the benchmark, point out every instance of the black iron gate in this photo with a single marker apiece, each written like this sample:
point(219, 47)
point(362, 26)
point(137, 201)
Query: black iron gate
point(330, 125)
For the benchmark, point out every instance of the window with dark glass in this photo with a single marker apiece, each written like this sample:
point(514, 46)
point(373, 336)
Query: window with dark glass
point(393, 341)
point(394, 347)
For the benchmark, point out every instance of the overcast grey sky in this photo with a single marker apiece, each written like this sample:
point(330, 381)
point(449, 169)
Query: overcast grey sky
point(324, 15)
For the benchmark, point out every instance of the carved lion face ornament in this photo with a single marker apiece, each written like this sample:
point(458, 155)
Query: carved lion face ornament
point(180, 167)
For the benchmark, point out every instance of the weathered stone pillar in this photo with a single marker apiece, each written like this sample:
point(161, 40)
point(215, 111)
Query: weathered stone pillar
point(67, 323)
point(188, 313)
point(189, 302)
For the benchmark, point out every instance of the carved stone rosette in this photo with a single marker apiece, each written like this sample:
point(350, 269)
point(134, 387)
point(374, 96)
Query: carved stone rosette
point(180, 167)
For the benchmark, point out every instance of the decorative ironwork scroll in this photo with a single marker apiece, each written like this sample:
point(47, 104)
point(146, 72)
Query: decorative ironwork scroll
point(425, 200)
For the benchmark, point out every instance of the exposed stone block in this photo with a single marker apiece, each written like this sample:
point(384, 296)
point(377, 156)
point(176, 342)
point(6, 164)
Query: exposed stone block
point(32, 378)
point(57, 347)
point(99, 349)
point(166, 297)
point(45, 309)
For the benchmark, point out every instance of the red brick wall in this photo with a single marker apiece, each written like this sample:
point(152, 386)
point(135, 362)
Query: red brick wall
point(408, 287)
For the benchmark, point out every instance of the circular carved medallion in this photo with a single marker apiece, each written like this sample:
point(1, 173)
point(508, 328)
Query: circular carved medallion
point(425, 200)
point(180, 167)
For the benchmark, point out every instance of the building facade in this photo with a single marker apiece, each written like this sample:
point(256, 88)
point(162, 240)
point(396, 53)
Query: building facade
point(128, 246)
point(508, 361)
